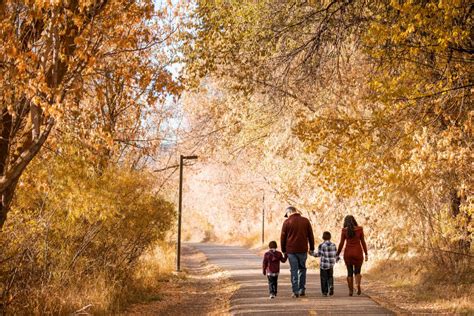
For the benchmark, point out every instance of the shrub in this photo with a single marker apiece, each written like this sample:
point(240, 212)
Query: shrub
point(75, 234)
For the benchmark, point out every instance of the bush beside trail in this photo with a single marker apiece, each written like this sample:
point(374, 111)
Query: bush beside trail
point(75, 235)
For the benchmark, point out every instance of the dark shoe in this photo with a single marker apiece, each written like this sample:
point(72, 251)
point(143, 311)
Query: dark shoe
point(302, 293)
point(331, 291)
point(325, 294)
point(295, 295)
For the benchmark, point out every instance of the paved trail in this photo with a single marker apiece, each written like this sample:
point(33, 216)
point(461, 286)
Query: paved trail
point(252, 297)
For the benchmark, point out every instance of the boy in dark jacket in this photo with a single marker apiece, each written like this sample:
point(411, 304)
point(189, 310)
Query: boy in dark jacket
point(271, 267)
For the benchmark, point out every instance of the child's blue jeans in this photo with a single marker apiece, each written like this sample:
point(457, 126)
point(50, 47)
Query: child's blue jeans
point(272, 284)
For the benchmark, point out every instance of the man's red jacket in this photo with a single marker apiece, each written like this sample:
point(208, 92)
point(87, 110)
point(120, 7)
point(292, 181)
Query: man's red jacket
point(296, 233)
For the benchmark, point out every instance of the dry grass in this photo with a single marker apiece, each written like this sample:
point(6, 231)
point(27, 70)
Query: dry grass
point(418, 285)
point(98, 295)
point(249, 241)
point(201, 289)
point(153, 271)
point(104, 296)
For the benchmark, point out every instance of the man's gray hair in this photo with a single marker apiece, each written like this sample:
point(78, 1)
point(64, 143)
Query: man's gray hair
point(291, 209)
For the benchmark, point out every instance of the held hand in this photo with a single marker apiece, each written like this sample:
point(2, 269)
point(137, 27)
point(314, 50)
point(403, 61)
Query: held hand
point(366, 258)
point(338, 259)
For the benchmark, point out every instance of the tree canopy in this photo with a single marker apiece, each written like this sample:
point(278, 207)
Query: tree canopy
point(90, 68)
point(377, 96)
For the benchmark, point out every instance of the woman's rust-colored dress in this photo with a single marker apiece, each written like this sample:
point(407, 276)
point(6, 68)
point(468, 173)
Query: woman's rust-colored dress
point(353, 254)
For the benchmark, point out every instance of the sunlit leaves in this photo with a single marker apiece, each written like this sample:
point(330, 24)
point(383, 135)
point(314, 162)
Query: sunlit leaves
point(379, 94)
point(93, 69)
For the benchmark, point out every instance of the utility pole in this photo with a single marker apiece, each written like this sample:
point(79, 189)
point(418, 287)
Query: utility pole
point(180, 209)
point(263, 218)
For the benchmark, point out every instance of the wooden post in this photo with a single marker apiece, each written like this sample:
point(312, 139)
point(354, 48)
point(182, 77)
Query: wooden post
point(180, 209)
point(180, 205)
point(263, 218)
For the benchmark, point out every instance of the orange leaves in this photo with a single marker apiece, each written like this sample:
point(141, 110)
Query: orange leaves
point(65, 57)
point(91, 65)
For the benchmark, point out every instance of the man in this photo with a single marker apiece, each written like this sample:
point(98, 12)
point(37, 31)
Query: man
point(296, 233)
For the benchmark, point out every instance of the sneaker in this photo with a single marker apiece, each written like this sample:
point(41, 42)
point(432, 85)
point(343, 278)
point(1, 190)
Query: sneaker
point(272, 296)
point(302, 293)
point(295, 295)
point(325, 294)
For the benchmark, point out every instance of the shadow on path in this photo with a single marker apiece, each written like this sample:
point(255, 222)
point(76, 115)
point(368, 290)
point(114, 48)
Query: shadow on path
point(251, 298)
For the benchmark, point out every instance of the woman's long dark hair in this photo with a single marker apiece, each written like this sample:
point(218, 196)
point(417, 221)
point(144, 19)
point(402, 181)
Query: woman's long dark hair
point(350, 223)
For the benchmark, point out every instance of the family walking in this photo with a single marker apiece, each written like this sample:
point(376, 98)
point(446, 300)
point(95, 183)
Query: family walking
point(297, 241)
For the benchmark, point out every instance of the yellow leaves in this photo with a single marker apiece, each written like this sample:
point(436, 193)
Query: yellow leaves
point(410, 29)
point(62, 70)
point(367, 144)
point(12, 50)
point(443, 42)
point(418, 41)
point(395, 4)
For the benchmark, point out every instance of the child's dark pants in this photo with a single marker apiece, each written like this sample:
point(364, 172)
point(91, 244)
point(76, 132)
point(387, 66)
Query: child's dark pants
point(272, 284)
point(327, 281)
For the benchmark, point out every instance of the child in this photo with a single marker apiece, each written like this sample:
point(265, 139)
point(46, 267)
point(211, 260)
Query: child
point(328, 255)
point(271, 267)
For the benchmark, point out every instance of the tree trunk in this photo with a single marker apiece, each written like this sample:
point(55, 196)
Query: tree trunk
point(455, 202)
point(6, 127)
point(5, 202)
point(10, 176)
point(464, 244)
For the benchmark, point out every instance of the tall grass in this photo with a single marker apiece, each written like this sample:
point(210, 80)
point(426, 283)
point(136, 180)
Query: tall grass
point(419, 284)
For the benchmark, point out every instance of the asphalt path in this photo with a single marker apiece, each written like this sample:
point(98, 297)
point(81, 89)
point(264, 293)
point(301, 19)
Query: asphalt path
point(244, 267)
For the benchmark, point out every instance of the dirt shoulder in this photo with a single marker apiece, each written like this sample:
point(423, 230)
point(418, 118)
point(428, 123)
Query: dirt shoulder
point(385, 296)
point(201, 289)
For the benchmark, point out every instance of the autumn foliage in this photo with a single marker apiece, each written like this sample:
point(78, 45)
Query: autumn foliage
point(345, 107)
point(76, 66)
point(83, 90)
point(336, 107)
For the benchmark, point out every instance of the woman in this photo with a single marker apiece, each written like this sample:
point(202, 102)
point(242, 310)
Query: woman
point(353, 236)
